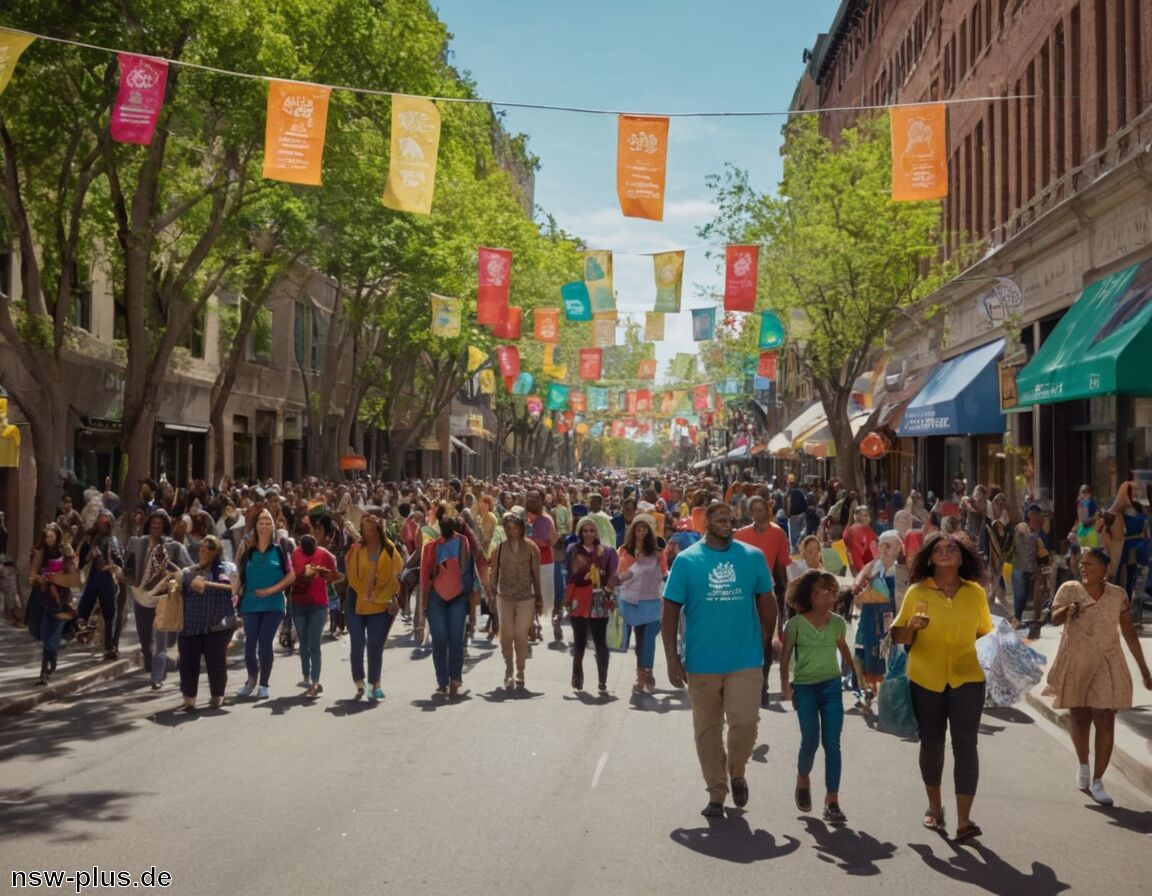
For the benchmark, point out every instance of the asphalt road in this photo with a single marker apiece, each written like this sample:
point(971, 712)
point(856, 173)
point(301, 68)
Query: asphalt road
point(547, 793)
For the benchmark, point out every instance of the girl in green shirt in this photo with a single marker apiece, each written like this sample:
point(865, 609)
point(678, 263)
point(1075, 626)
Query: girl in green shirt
point(815, 635)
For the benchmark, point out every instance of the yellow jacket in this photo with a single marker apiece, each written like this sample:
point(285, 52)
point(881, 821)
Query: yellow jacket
point(358, 567)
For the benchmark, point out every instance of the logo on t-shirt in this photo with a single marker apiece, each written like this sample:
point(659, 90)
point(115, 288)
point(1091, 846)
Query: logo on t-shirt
point(722, 582)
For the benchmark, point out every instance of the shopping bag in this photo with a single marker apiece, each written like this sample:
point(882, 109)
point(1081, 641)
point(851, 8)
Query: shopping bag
point(170, 608)
point(832, 561)
point(894, 704)
point(1011, 667)
point(876, 593)
point(842, 549)
point(615, 631)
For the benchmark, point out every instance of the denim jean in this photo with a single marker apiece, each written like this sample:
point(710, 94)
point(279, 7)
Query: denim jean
point(100, 589)
point(1023, 585)
point(446, 620)
point(796, 525)
point(820, 711)
point(368, 630)
point(309, 622)
point(259, 637)
point(646, 644)
point(560, 579)
point(153, 644)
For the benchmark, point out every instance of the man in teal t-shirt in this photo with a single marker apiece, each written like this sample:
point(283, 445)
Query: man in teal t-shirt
point(724, 589)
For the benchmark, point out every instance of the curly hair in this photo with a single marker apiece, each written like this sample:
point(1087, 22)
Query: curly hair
point(922, 566)
point(799, 594)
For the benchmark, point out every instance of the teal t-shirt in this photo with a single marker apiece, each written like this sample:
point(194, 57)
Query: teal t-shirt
point(263, 569)
point(815, 658)
point(717, 590)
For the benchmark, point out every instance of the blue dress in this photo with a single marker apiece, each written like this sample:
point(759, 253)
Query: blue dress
point(871, 629)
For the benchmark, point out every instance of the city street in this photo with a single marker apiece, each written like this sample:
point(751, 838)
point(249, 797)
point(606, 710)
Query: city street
point(548, 792)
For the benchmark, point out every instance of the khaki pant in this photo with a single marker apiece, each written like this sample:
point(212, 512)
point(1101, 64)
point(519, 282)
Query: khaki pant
point(734, 698)
point(516, 617)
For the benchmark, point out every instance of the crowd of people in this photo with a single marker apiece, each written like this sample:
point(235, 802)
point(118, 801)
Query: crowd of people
point(723, 574)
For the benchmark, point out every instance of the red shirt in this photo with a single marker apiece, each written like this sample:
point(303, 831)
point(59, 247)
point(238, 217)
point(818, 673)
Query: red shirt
point(773, 544)
point(310, 591)
point(861, 543)
point(542, 530)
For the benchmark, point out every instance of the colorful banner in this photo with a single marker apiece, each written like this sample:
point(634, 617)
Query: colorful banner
point(646, 369)
point(138, 101)
point(294, 132)
point(591, 363)
point(771, 331)
point(669, 270)
point(577, 401)
point(684, 366)
point(487, 381)
point(476, 359)
point(597, 398)
point(703, 324)
point(643, 401)
point(630, 401)
point(533, 405)
point(919, 152)
point(577, 303)
point(495, 267)
point(700, 398)
point(604, 328)
point(766, 369)
point(641, 160)
point(508, 360)
point(546, 324)
point(11, 46)
point(557, 397)
point(598, 279)
point(654, 326)
point(446, 319)
point(667, 402)
point(524, 383)
point(740, 267)
point(551, 368)
point(618, 429)
point(412, 162)
point(729, 386)
point(510, 327)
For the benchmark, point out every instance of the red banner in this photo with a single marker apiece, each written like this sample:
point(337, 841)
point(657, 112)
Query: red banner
point(643, 401)
point(508, 360)
point(618, 429)
point(700, 398)
point(630, 401)
point(591, 361)
point(509, 328)
point(138, 102)
point(767, 366)
point(577, 401)
point(546, 323)
point(534, 405)
point(492, 296)
point(740, 265)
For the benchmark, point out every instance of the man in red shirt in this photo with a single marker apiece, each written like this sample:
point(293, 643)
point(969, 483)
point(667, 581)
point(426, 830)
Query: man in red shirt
point(772, 541)
point(860, 539)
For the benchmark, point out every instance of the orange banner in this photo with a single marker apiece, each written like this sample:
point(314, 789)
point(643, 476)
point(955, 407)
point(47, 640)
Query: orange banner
point(604, 328)
point(654, 326)
point(294, 132)
point(412, 163)
point(647, 369)
point(919, 152)
point(641, 162)
point(546, 323)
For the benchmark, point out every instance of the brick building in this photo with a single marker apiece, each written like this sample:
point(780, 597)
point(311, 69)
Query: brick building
point(1050, 169)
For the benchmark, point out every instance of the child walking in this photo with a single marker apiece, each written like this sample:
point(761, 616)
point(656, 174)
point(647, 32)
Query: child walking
point(814, 635)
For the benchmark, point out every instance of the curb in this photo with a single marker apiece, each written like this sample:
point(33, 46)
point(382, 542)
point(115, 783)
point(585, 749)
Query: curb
point(1138, 771)
point(63, 686)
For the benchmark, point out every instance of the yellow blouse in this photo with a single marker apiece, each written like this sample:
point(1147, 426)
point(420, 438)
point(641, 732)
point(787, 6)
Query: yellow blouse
point(358, 566)
point(944, 652)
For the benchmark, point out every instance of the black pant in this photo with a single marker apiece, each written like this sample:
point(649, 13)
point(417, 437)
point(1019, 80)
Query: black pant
point(581, 626)
point(957, 708)
point(213, 646)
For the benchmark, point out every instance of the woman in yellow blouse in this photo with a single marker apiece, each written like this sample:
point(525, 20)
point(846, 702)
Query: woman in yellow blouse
point(943, 613)
point(373, 568)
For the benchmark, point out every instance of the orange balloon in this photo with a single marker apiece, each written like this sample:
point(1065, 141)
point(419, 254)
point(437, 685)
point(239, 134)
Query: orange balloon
point(873, 446)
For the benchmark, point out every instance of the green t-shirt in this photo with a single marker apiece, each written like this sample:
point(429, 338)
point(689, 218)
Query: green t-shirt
point(815, 658)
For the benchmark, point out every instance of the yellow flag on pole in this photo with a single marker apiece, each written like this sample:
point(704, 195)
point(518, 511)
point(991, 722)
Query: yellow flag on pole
point(11, 46)
point(475, 358)
point(654, 326)
point(445, 317)
point(415, 144)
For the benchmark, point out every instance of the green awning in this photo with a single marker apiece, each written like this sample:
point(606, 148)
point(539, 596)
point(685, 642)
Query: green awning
point(1102, 345)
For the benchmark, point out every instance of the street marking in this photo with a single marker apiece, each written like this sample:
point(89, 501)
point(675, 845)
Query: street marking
point(599, 768)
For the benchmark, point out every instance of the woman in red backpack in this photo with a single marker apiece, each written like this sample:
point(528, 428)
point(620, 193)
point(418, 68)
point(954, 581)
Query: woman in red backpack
point(447, 583)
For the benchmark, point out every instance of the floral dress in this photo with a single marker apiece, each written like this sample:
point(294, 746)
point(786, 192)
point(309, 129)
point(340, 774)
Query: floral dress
point(1090, 669)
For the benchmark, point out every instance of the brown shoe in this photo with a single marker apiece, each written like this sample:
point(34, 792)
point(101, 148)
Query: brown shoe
point(454, 688)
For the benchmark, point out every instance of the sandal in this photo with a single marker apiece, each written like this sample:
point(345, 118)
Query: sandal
point(934, 821)
point(967, 832)
point(833, 815)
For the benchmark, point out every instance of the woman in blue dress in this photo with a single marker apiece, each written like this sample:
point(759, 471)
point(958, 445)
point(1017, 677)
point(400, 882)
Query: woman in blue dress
point(877, 577)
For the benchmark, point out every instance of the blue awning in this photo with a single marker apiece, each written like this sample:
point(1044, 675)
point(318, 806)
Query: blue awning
point(962, 397)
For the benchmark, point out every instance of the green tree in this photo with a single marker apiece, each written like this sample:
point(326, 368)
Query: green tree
point(838, 250)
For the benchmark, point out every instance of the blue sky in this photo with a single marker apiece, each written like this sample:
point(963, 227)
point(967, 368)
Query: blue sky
point(643, 56)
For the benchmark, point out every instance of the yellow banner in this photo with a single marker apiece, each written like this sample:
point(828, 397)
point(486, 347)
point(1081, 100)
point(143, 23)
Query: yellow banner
point(604, 328)
point(412, 166)
point(294, 132)
point(654, 326)
point(487, 382)
point(445, 317)
point(551, 368)
point(475, 358)
point(11, 46)
point(669, 270)
point(598, 279)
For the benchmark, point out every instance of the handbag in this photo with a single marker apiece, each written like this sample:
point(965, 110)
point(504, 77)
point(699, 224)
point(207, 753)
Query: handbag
point(170, 608)
point(875, 593)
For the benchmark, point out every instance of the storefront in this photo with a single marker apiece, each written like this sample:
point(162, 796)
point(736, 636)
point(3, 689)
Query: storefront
point(957, 423)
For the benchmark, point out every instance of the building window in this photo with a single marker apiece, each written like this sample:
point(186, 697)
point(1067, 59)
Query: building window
point(6, 273)
point(259, 347)
point(80, 314)
point(194, 336)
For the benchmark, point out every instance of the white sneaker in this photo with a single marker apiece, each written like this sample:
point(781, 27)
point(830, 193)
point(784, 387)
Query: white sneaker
point(262, 693)
point(1099, 794)
point(245, 690)
point(1083, 777)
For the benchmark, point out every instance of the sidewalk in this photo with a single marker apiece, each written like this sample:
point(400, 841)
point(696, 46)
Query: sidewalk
point(79, 666)
point(1132, 756)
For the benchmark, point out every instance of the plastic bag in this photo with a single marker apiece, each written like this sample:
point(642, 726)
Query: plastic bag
point(1011, 667)
point(615, 630)
point(894, 704)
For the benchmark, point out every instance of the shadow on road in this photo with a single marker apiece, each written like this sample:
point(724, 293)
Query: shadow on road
point(853, 852)
point(760, 753)
point(1129, 819)
point(24, 810)
point(976, 864)
point(731, 839)
point(434, 703)
point(660, 702)
point(591, 699)
point(1009, 714)
point(503, 695)
point(351, 707)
